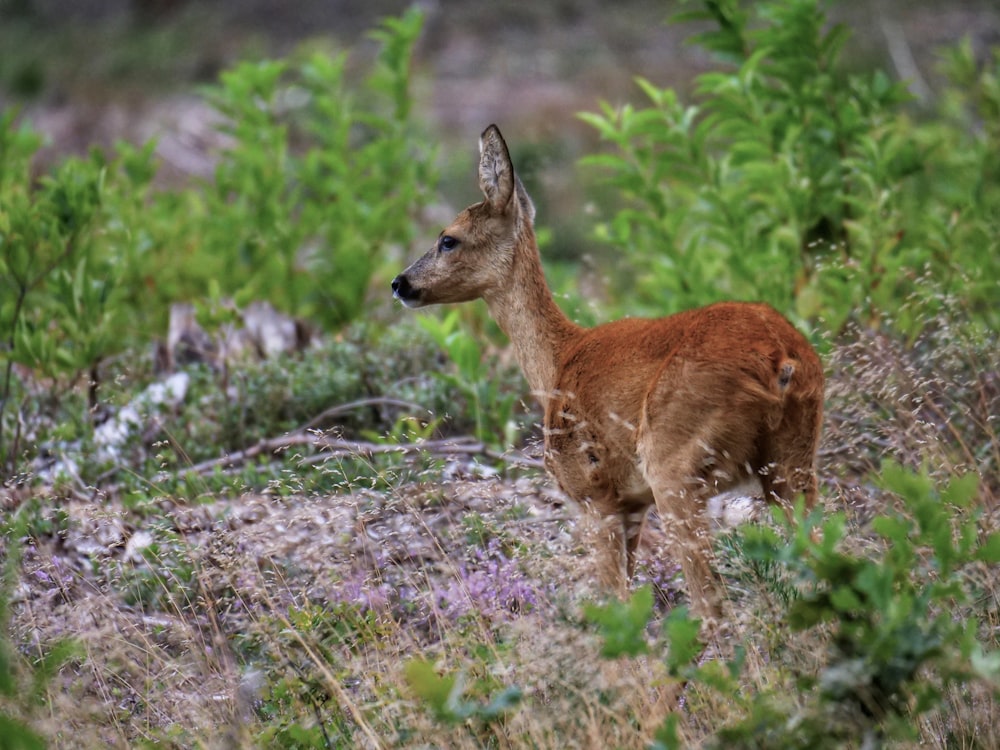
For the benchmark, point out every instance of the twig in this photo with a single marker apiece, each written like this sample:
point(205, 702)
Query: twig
point(336, 411)
point(338, 447)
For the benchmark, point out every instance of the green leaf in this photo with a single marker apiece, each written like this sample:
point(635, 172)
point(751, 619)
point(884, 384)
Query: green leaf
point(623, 624)
point(429, 686)
point(989, 550)
point(961, 490)
point(901, 481)
point(444, 694)
point(45, 669)
point(894, 529)
point(502, 703)
point(666, 737)
point(877, 583)
point(808, 611)
point(682, 636)
point(845, 599)
point(16, 736)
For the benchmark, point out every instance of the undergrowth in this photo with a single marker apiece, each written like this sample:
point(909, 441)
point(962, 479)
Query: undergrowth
point(422, 612)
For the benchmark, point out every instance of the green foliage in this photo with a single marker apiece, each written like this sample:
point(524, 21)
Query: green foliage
point(623, 624)
point(59, 308)
point(796, 182)
point(164, 578)
point(899, 627)
point(306, 230)
point(444, 695)
point(362, 385)
point(479, 532)
point(301, 708)
point(490, 404)
point(681, 632)
point(316, 182)
point(318, 179)
point(354, 373)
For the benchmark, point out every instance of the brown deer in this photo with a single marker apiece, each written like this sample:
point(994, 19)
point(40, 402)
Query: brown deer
point(671, 411)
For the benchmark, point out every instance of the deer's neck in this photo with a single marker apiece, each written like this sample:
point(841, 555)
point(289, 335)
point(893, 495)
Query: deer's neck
point(539, 331)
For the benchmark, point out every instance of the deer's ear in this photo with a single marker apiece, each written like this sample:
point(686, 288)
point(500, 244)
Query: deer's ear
point(527, 205)
point(496, 173)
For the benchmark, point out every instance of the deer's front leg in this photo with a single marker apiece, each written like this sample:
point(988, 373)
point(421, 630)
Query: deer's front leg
point(613, 549)
point(635, 519)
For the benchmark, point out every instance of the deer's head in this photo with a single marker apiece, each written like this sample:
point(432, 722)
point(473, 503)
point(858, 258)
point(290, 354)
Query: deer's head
point(474, 255)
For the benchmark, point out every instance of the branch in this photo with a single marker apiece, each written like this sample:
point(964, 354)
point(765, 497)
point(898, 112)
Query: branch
point(336, 411)
point(340, 448)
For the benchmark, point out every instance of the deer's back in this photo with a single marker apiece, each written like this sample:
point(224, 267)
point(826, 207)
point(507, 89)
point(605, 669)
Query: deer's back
point(616, 364)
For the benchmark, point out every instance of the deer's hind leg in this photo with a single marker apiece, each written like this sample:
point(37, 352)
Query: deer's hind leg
point(692, 448)
point(681, 492)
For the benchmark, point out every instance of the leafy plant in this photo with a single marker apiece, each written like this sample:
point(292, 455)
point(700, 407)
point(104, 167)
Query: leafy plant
point(491, 405)
point(623, 624)
point(899, 628)
point(318, 180)
point(444, 695)
point(59, 315)
point(791, 164)
point(22, 683)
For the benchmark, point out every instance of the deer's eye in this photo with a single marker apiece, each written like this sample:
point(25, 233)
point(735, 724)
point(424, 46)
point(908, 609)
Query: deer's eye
point(447, 243)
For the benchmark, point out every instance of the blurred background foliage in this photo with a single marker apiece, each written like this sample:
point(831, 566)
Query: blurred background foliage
point(790, 165)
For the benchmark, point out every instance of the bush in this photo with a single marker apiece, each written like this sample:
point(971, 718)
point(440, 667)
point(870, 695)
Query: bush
point(797, 182)
point(61, 308)
point(316, 183)
point(901, 625)
point(317, 180)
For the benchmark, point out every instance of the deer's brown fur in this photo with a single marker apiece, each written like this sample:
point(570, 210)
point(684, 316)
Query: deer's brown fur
point(666, 411)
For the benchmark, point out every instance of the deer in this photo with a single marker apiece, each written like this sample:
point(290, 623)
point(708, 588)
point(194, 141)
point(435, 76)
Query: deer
point(639, 412)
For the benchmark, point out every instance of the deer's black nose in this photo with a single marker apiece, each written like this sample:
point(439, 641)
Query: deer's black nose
point(401, 288)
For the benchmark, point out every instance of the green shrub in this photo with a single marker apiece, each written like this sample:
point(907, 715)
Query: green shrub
point(900, 620)
point(60, 306)
point(319, 179)
point(489, 403)
point(444, 695)
point(797, 182)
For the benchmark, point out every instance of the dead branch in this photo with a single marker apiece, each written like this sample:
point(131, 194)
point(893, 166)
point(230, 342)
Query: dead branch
point(340, 409)
point(334, 447)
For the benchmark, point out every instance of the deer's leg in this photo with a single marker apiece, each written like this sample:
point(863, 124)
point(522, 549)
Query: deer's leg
point(682, 508)
point(682, 469)
point(615, 536)
point(635, 519)
point(610, 544)
point(617, 528)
